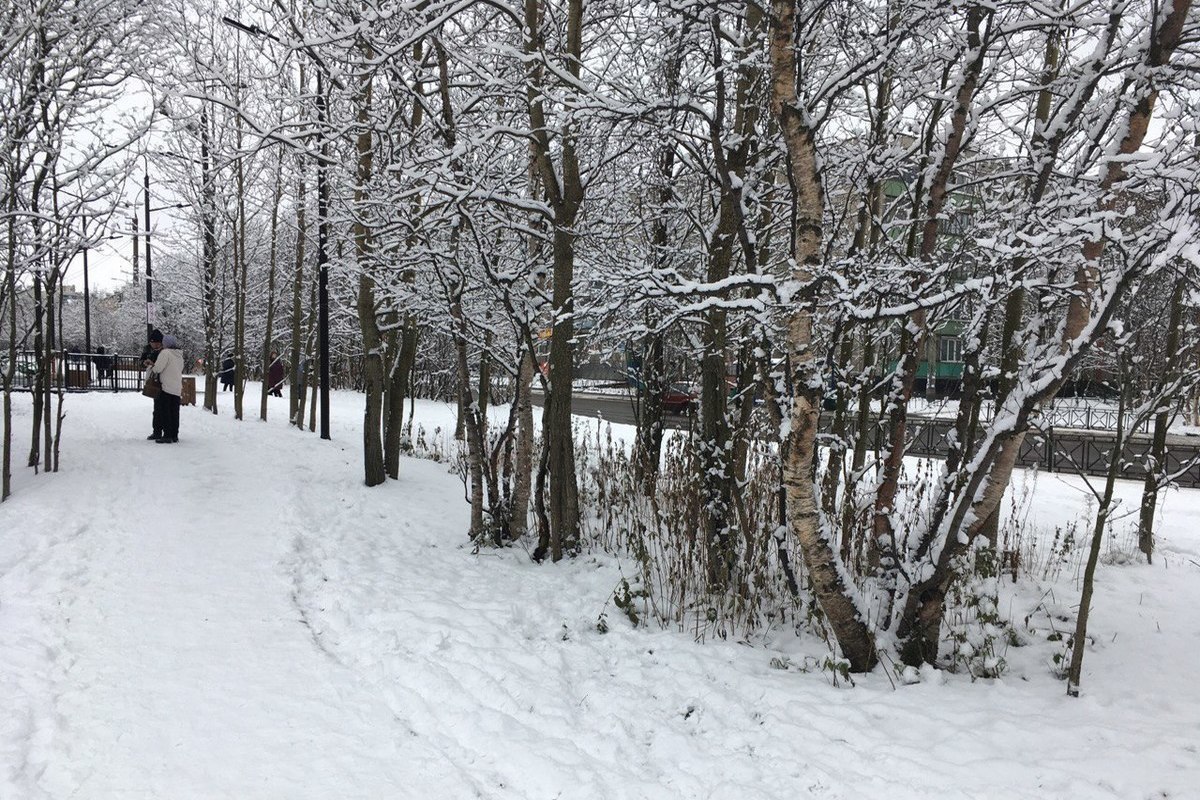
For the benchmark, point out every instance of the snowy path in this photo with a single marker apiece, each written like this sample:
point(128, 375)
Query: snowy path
point(237, 616)
point(186, 668)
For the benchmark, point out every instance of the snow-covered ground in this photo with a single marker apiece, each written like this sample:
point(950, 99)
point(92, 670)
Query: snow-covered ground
point(237, 616)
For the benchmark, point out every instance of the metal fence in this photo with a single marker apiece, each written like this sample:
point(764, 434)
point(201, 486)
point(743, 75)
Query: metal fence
point(79, 372)
point(1072, 414)
point(1065, 450)
point(1089, 417)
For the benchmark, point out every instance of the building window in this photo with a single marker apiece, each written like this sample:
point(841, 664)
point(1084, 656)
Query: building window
point(950, 350)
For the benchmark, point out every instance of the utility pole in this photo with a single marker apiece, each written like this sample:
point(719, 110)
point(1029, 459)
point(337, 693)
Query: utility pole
point(87, 298)
point(149, 277)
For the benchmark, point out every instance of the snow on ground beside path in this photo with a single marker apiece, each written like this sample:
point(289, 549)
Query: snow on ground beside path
point(236, 616)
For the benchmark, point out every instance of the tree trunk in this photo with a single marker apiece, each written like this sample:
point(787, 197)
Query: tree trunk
point(915, 332)
point(40, 380)
point(268, 335)
point(559, 433)
point(712, 447)
point(649, 436)
point(208, 265)
point(565, 194)
point(10, 286)
point(1079, 311)
point(830, 587)
point(296, 390)
point(55, 372)
point(373, 372)
point(839, 437)
point(1156, 467)
point(1079, 640)
point(399, 389)
point(523, 457)
point(470, 415)
point(240, 286)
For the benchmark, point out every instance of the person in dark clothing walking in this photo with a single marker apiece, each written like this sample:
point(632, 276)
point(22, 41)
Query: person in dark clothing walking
point(228, 370)
point(275, 374)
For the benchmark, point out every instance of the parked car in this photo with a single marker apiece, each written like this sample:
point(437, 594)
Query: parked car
point(678, 398)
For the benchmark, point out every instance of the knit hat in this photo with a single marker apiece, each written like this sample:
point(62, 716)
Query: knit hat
point(156, 335)
point(170, 342)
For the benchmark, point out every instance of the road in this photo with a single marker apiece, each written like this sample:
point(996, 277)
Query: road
point(1058, 450)
point(611, 407)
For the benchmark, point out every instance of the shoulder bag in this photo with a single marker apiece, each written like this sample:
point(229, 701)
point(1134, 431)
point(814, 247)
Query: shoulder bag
point(152, 386)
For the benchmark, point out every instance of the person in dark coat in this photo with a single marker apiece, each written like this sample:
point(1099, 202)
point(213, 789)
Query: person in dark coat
point(228, 370)
point(104, 364)
point(275, 374)
point(149, 358)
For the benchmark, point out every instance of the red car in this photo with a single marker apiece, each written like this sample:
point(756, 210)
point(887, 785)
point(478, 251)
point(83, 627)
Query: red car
point(678, 399)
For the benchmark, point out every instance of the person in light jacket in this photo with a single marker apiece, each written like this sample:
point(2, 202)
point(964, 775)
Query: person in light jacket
point(169, 369)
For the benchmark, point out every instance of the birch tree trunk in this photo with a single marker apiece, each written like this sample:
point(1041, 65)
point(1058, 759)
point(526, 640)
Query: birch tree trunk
point(830, 585)
point(981, 494)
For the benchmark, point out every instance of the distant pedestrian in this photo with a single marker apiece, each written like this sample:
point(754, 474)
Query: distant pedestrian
point(275, 374)
point(104, 364)
point(169, 369)
point(228, 369)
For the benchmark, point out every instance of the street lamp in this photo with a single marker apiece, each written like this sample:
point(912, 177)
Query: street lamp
point(322, 218)
point(150, 315)
point(87, 297)
point(149, 275)
point(87, 292)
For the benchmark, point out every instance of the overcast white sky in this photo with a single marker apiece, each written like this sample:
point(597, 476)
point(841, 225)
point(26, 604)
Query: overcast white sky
point(110, 265)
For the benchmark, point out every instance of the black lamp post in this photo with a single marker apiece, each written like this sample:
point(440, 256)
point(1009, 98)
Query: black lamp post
point(149, 274)
point(322, 220)
point(87, 307)
point(150, 314)
point(87, 296)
